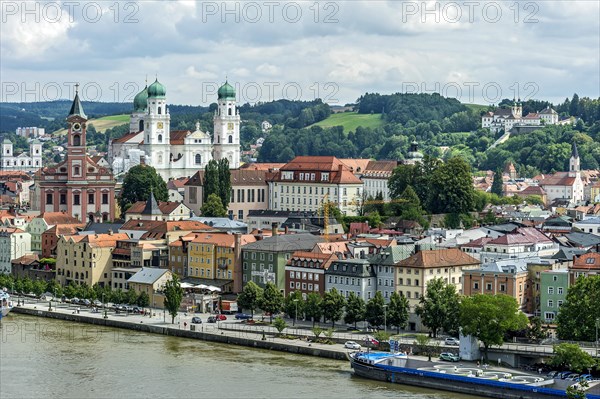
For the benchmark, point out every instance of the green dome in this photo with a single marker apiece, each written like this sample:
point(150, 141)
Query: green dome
point(156, 89)
point(140, 101)
point(226, 92)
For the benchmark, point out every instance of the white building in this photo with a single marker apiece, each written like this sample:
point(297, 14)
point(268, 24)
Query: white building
point(306, 182)
point(375, 178)
point(176, 153)
point(29, 162)
point(505, 119)
point(14, 243)
point(526, 242)
point(590, 225)
point(565, 185)
point(30, 132)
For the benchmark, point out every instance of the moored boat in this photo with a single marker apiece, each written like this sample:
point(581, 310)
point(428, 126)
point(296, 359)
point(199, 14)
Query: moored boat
point(5, 303)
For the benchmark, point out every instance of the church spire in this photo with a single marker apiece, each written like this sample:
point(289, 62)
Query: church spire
point(152, 207)
point(76, 107)
point(574, 152)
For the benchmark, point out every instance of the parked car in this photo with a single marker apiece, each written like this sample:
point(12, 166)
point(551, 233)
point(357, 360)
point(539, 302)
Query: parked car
point(584, 377)
point(196, 320)
point(97, 303)
point(552, 374)
point(572, 377)
point(242, 316)
point(452, 341)
point(211, 319)
point(563, 374)
point(449, 357)
point(75, 301)
point(85, 302)
point(351, 345)
point(221, 317)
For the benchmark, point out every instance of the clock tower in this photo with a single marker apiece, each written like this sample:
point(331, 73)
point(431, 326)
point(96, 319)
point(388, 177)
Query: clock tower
point(157, 132)
point(76, 154)
point(226, 139)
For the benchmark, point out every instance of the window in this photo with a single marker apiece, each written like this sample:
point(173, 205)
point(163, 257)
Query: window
point(550, 303)
point(76, 199)
point(502, 287)
point(549, 315)
point(488, 286)
point(559, 303)
point(550, 290)
point(90, 198)
point(475, 285)
point(560, 290)
point(49, 199)
point(198, 159)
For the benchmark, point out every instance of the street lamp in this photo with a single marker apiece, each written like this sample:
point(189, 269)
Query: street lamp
point(296, 313)
point(597, 325)
point(385, 318)
point(104, 306)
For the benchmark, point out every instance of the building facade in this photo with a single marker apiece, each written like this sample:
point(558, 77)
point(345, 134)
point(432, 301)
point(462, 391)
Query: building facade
point(554, 287)
point(77, 185)
point(175, 153)
point(307, 182)
point(14, 243)
point(29, 162)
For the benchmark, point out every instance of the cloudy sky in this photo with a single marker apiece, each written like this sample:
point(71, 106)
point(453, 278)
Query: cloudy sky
point(477, 51)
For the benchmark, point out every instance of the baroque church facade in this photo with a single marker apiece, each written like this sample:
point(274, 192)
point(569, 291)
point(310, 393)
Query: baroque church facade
point(176, 153)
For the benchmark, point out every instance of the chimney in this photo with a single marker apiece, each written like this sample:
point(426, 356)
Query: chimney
point(417, 248)
point(286, 230)
point(110, 232)
point(274, 227)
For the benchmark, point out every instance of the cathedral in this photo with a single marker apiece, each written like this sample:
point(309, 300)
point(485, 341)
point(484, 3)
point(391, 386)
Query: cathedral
point(175, 153)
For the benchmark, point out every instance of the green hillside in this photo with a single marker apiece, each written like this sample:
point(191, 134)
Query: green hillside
point(351, 120)
point(103, 124)
point(477, 108)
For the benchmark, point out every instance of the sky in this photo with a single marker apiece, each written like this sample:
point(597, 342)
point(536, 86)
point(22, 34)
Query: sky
point(476, 51)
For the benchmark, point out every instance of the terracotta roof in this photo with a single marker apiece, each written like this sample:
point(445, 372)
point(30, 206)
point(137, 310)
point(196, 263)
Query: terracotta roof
point(315, 163)
point(54, 218)
point(331, 247)
point(159, 230)
point(356, 165)
point(177, 183)
point(239, 177)
point(64, 229)
point(26, 260)
point(141, 225)
point(478, 243)
point(11, 230)
point(587, 261)
point(382, 169)
point(262, 166)
point(439, 258)
point(558, 179)
point(126, 137)
point(177, 136)
point(165, 207)
point(532, 115)
point(98, 240)
point(320, 260)
point(523, 235)
point(533, 190)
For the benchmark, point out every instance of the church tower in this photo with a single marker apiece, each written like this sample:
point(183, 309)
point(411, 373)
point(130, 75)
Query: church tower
point(226, 139)
point(76, 154)
point(157, 135)
point(574, 163)
point(140, 108)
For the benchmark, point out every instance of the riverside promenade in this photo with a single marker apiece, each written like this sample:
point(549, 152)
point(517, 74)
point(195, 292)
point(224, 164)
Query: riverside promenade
point(227, 332)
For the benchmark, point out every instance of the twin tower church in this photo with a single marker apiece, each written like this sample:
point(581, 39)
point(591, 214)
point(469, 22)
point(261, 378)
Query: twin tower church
point(84, 189)
point(175, 153)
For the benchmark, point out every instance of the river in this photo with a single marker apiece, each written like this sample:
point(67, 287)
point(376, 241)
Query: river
point(45, 358)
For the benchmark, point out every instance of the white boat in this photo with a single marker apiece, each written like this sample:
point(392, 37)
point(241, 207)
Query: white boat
point(5, 304)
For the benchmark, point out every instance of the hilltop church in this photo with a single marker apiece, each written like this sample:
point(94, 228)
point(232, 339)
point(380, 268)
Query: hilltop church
point(175, 153)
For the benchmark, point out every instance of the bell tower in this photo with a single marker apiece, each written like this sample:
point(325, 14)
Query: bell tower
point(226, 140)
point(76, 152)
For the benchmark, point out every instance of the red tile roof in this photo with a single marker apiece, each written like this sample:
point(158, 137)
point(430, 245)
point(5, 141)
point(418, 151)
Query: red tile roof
point(439, 258)
point(558, 179)
point(126, 137)
point(54, 218)
point(589, 261)
point(177, 136)
point(165, 207)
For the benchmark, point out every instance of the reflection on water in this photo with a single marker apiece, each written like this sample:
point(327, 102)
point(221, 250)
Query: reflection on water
point(50, 358)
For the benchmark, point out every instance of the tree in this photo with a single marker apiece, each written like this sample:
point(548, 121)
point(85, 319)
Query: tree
point(571, 357)
point(489, 317)
point(139, 183)
point(143, 300)
point(535, 331)
point(213, 207)
point(397, 314)
point(173, 296)
point(577, 391)
point(333, 306)
point(131, 297)
point(294, 305)
point(497, 183)
point(250, 297)
point(451, 187)
point(117, 296)
point(422, 342)
point(577, 317)
point(211, 180)
point(375, 313)
point(355, 309)
point(279, 324)
point(39, 287)
point(224, 182)
point(439, 307)
point(271, 300)
point(313, 308)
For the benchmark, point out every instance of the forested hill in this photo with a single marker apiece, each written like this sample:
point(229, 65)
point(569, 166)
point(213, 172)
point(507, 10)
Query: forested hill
point(404, 107)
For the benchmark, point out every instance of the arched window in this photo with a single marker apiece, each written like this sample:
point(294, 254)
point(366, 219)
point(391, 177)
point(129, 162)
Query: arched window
point(141, 127)
point(230, 139)
point(229, 111)
point(198, 159)
point(77, 140)
point(76, 275)
point(159, 110)
point(159, 158)
point(160, 138)
point(76, 170)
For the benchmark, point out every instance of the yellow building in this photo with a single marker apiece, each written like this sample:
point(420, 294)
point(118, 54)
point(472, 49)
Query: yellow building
point(86, 259)
point(211, 256)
